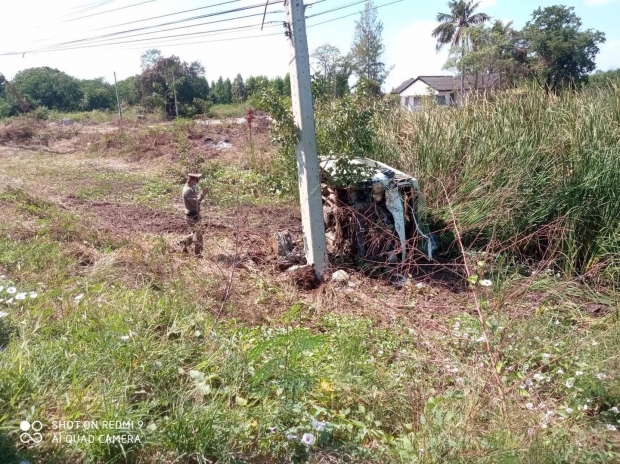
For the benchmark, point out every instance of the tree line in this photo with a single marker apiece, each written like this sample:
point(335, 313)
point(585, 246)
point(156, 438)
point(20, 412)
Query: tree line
point(552, 49)
point(153, 89)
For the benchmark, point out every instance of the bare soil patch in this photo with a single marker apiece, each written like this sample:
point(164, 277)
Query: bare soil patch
point(123, 221)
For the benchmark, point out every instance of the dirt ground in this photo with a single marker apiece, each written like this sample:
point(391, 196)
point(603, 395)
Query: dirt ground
point(238, 240)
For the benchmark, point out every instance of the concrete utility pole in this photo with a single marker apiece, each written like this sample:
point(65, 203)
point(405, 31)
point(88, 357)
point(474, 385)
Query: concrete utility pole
point(307, 158)
point(174, 90)
point(118, 102)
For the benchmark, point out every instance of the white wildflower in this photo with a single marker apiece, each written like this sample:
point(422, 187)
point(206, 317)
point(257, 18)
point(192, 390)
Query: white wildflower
point(538, 377)
point(1, 288)
point(543, 426)
point(79, 297)
point(569, 410)
point(594, 343)
point(529, 406)
point(124, 337)
point(546, 355)
point(481, 339)
point(420, 285)
point(3, 314)
point(290, 436)
point(557, 322)
point(318, 425)
point(380, 352)
point(614, 410)
point(33, 294)
point(611, 428)
point(421, 450)
point(601, 376)
point(9, 301)
point(307, 439)
point(486, 282)
point(578, 373)
point(560, 371)
point(272, 429)
point(529, 383)
point(526, 367)
point(11, 290)
point(20, 296)
point(570, 383)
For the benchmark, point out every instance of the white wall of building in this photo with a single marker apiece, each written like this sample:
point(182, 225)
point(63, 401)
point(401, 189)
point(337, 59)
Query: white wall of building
point(412, 97)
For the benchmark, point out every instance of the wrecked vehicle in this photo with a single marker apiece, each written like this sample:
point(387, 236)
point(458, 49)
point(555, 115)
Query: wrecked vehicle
point(379, 219)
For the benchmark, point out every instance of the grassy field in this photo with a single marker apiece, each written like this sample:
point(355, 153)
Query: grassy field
point(223, 359)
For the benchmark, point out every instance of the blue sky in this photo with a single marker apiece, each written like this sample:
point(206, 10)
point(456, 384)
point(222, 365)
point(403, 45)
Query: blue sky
point(31, 24)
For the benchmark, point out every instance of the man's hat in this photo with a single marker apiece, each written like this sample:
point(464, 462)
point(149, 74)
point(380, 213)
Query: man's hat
point(191, 174)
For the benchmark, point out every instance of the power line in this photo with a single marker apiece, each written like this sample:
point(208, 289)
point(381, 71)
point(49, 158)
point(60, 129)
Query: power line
point(90, 43)
point(157, 40)
point(218, 13)
point(166, 15)
point(336, 9)
point(108, 11)
point(90, 6)
point(178, 28)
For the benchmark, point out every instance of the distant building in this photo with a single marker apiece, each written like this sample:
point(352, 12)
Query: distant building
point(444, 89)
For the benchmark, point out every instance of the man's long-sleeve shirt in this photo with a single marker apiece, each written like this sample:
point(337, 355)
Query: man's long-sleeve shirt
point(191, 200)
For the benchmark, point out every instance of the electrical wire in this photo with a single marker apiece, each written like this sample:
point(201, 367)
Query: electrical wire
point(107, 11)
point(157, 40)
point(166, 15)
point(182, 27)
point(90, 7)
point(218, 13)
point(118, 40)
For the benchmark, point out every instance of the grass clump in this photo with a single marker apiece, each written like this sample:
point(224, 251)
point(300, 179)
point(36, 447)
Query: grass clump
point(235, 110)
point(537, 171)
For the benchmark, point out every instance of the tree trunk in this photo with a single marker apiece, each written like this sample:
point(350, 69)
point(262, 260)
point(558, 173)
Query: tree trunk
point(462, 69)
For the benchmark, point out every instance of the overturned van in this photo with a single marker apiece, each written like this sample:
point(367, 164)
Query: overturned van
point(380, 218)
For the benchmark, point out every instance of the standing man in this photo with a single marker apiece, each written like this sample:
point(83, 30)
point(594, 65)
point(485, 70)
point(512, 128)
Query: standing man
point(191, 201)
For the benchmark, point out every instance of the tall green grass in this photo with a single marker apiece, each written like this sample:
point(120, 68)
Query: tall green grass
point(520, 163)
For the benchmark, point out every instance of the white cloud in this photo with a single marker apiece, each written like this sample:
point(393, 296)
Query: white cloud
point(414, 54)
point(486, 4)
point(609, 56)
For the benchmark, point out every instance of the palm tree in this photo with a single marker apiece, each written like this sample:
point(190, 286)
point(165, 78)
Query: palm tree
point(453, 28)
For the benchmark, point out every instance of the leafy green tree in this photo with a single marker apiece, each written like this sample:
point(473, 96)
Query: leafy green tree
point(334, 68)
point(277, 84)
point(454, 26)
point(150, 58)
point(368, 47)
point(49, 87)
point(238, 89)
point(129, 90)
point(563, 53)
point(227, 92)
point(496, 52)
point(218, 91)
point(287, 85)
point(191, 82)
point(602, 78)
point(97, 94)
point(159, 80)
point(5, 107)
